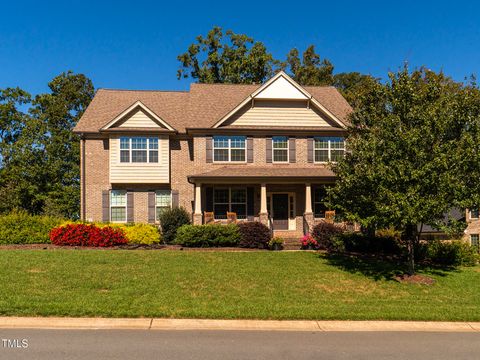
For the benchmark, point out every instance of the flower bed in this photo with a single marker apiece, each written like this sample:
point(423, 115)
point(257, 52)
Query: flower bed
point(87, 235)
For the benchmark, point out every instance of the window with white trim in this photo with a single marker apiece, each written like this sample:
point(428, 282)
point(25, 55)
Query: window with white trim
point(163, 201)
point(118, 206)
point(474, 240)
point(329, 148)
point(138, 150)
point(280, 148)
point(474, 214)
point(229, 148)
point(230, 199)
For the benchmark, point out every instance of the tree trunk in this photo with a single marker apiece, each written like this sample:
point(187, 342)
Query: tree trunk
point(410, 239)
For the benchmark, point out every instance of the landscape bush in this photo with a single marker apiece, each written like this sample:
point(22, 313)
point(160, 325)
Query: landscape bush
point(358, 242)
point(171, 220)
point(452, 253)
point(141, 234)
point(22, 228)
point(210, 235)
point(324, 233)
point(87, 235)
point(254, 235)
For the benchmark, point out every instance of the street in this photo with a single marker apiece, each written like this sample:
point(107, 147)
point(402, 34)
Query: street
point(154, 344)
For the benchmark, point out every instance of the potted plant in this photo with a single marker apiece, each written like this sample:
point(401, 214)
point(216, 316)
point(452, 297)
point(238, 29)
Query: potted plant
point(308, 242)
point(276, 243)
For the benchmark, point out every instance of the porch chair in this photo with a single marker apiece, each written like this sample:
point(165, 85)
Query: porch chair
point(330, 216)
point(208, 217)
point(231, 217)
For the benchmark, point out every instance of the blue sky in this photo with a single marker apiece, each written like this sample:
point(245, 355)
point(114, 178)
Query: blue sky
point(134, 44)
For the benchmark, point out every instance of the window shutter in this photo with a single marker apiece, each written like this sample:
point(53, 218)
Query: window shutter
point(106, 205)
point(174, 198)
point(209, 199)
point(250, 149)
point(151, 207)
point(130, 218)
point(310, 150)
point(209, 147)
point(250, 203)
point(292, 153)
point(269, 149)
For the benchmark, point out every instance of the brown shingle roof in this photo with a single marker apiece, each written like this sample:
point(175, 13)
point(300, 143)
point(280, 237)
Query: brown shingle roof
point(201, 107)
point(265, 172)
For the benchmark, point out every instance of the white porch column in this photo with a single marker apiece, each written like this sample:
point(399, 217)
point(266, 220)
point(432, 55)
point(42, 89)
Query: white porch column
point(198, 199)
point(263, 199)
point(308, 198)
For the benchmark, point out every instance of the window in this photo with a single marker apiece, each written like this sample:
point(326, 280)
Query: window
point(138, 150)
point(230, 199)
point(118, 206)
point(280, 148)
point(319, 207)
point(474, 240)
point(474, 214)
point(329, 148)
point(229, 148)
point(163, 201)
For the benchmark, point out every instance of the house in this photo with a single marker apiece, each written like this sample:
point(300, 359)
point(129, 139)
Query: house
point(258, 151)
point(472, 232)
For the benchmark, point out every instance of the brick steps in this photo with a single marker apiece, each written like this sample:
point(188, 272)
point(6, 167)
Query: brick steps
point(291, 239)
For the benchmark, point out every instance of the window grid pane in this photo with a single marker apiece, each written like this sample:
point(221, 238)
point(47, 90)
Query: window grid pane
point(118, 198)
point(139, 156)
point(237, 155)
point(280, 142)
point(329, 149)
point(163, 198)
point(474, 240)
point(280, 155)
point(229, 148)
point(474, 214)
point(153, 156)
point(124, 143)
point(124, 156)
point(220, 155)
point(153, 143)
point(119, 214)
point(139, 143)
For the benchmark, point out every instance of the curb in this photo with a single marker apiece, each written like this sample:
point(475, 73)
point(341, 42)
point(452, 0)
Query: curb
point(252, 325)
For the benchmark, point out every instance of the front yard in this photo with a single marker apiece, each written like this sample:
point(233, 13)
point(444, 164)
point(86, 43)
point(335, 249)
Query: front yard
point(261, 285)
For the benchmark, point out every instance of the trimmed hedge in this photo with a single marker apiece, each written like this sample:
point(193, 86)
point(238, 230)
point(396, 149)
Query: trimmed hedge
point(22, 228)
point(171, 220)
point(210, 235)
point(87, 235)
point(452, 253)
point(254, 235)
point(358, 242)
point(325, 233)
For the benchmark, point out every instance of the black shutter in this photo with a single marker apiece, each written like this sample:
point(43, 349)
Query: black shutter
point(175, 200)
point(106, 205)
point(249, 149)
point(209, 199)
point(310, 150)
point(291, 150)
point(130, 218)
point(151, 207)
point(250, 203)
point(209, 147)
point(268, 149)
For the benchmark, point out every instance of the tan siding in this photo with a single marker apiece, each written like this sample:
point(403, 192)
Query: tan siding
point(139, 120)
point(276, 113)
point(132, 173)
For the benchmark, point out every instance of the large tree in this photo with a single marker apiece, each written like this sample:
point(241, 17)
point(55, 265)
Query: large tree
point(406, 162)
point(310, 70)
point(230, 58)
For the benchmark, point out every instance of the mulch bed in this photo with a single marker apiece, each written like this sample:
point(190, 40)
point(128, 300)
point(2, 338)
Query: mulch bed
point(415, 279)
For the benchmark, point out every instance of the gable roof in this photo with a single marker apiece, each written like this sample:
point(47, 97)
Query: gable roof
point(202, 107)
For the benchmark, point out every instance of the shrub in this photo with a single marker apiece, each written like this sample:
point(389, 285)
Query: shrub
point(453, 253)
point(22, 228)
point(276, 242)
point(87, 235)
point(141, 234)
point(254, 235)
point(324, 234)
point(171, 220)
point(358, 242)
point(210, 235)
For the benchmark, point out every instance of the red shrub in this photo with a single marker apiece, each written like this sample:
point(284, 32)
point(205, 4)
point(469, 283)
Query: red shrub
point(87, 235)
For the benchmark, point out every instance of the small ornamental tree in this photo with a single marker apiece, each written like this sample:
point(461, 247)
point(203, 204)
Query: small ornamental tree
point(413, 147)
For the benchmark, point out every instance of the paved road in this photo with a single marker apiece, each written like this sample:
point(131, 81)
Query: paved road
point(211, 345)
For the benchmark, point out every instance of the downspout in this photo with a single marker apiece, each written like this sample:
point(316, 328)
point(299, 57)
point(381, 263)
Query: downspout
point(82, 178)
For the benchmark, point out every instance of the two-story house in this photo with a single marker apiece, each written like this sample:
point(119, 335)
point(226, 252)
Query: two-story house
point(259, 151)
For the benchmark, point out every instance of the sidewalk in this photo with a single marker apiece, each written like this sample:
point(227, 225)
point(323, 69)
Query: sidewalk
point(204, 324)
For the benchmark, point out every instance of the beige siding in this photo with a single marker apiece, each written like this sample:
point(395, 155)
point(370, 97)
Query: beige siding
point(132, 173)
point(139, 119)
point(279, 113)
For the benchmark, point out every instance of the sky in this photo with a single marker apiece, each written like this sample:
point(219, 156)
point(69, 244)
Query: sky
point(134, 44)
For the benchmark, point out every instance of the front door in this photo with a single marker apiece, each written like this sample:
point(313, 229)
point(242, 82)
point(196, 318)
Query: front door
point(280, 211)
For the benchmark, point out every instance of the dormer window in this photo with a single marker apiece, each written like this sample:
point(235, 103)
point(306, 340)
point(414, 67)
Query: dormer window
point(138, 150)
point(229, 148)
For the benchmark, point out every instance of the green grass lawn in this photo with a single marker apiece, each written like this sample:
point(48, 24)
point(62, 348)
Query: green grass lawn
point(252, 285)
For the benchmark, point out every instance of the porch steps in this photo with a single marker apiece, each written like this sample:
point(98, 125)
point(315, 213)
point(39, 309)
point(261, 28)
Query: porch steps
point(291, 239)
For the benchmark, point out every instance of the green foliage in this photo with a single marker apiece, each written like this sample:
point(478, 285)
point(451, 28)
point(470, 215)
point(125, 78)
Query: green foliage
point(325, 234)
point(452, 253)
point(276, 242)
point(357, 242)
point(210, 235)
point(254, 234)
point(171, 220)
point(311, 70)
point(22, 228)
point(353, 85)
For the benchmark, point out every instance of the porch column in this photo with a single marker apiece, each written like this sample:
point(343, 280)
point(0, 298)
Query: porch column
point(197, 215)
point(263, 205)
point(308, 215)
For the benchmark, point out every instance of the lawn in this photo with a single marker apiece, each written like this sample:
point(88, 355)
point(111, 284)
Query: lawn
point(260, 285)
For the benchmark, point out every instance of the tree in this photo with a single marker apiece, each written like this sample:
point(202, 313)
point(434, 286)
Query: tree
point(230, 59)
point(352, 85)
point(404, 166)
point(311, 70)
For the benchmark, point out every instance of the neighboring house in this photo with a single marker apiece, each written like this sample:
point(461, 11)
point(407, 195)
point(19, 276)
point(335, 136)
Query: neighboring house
point(472, 232)
point(259, 151)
